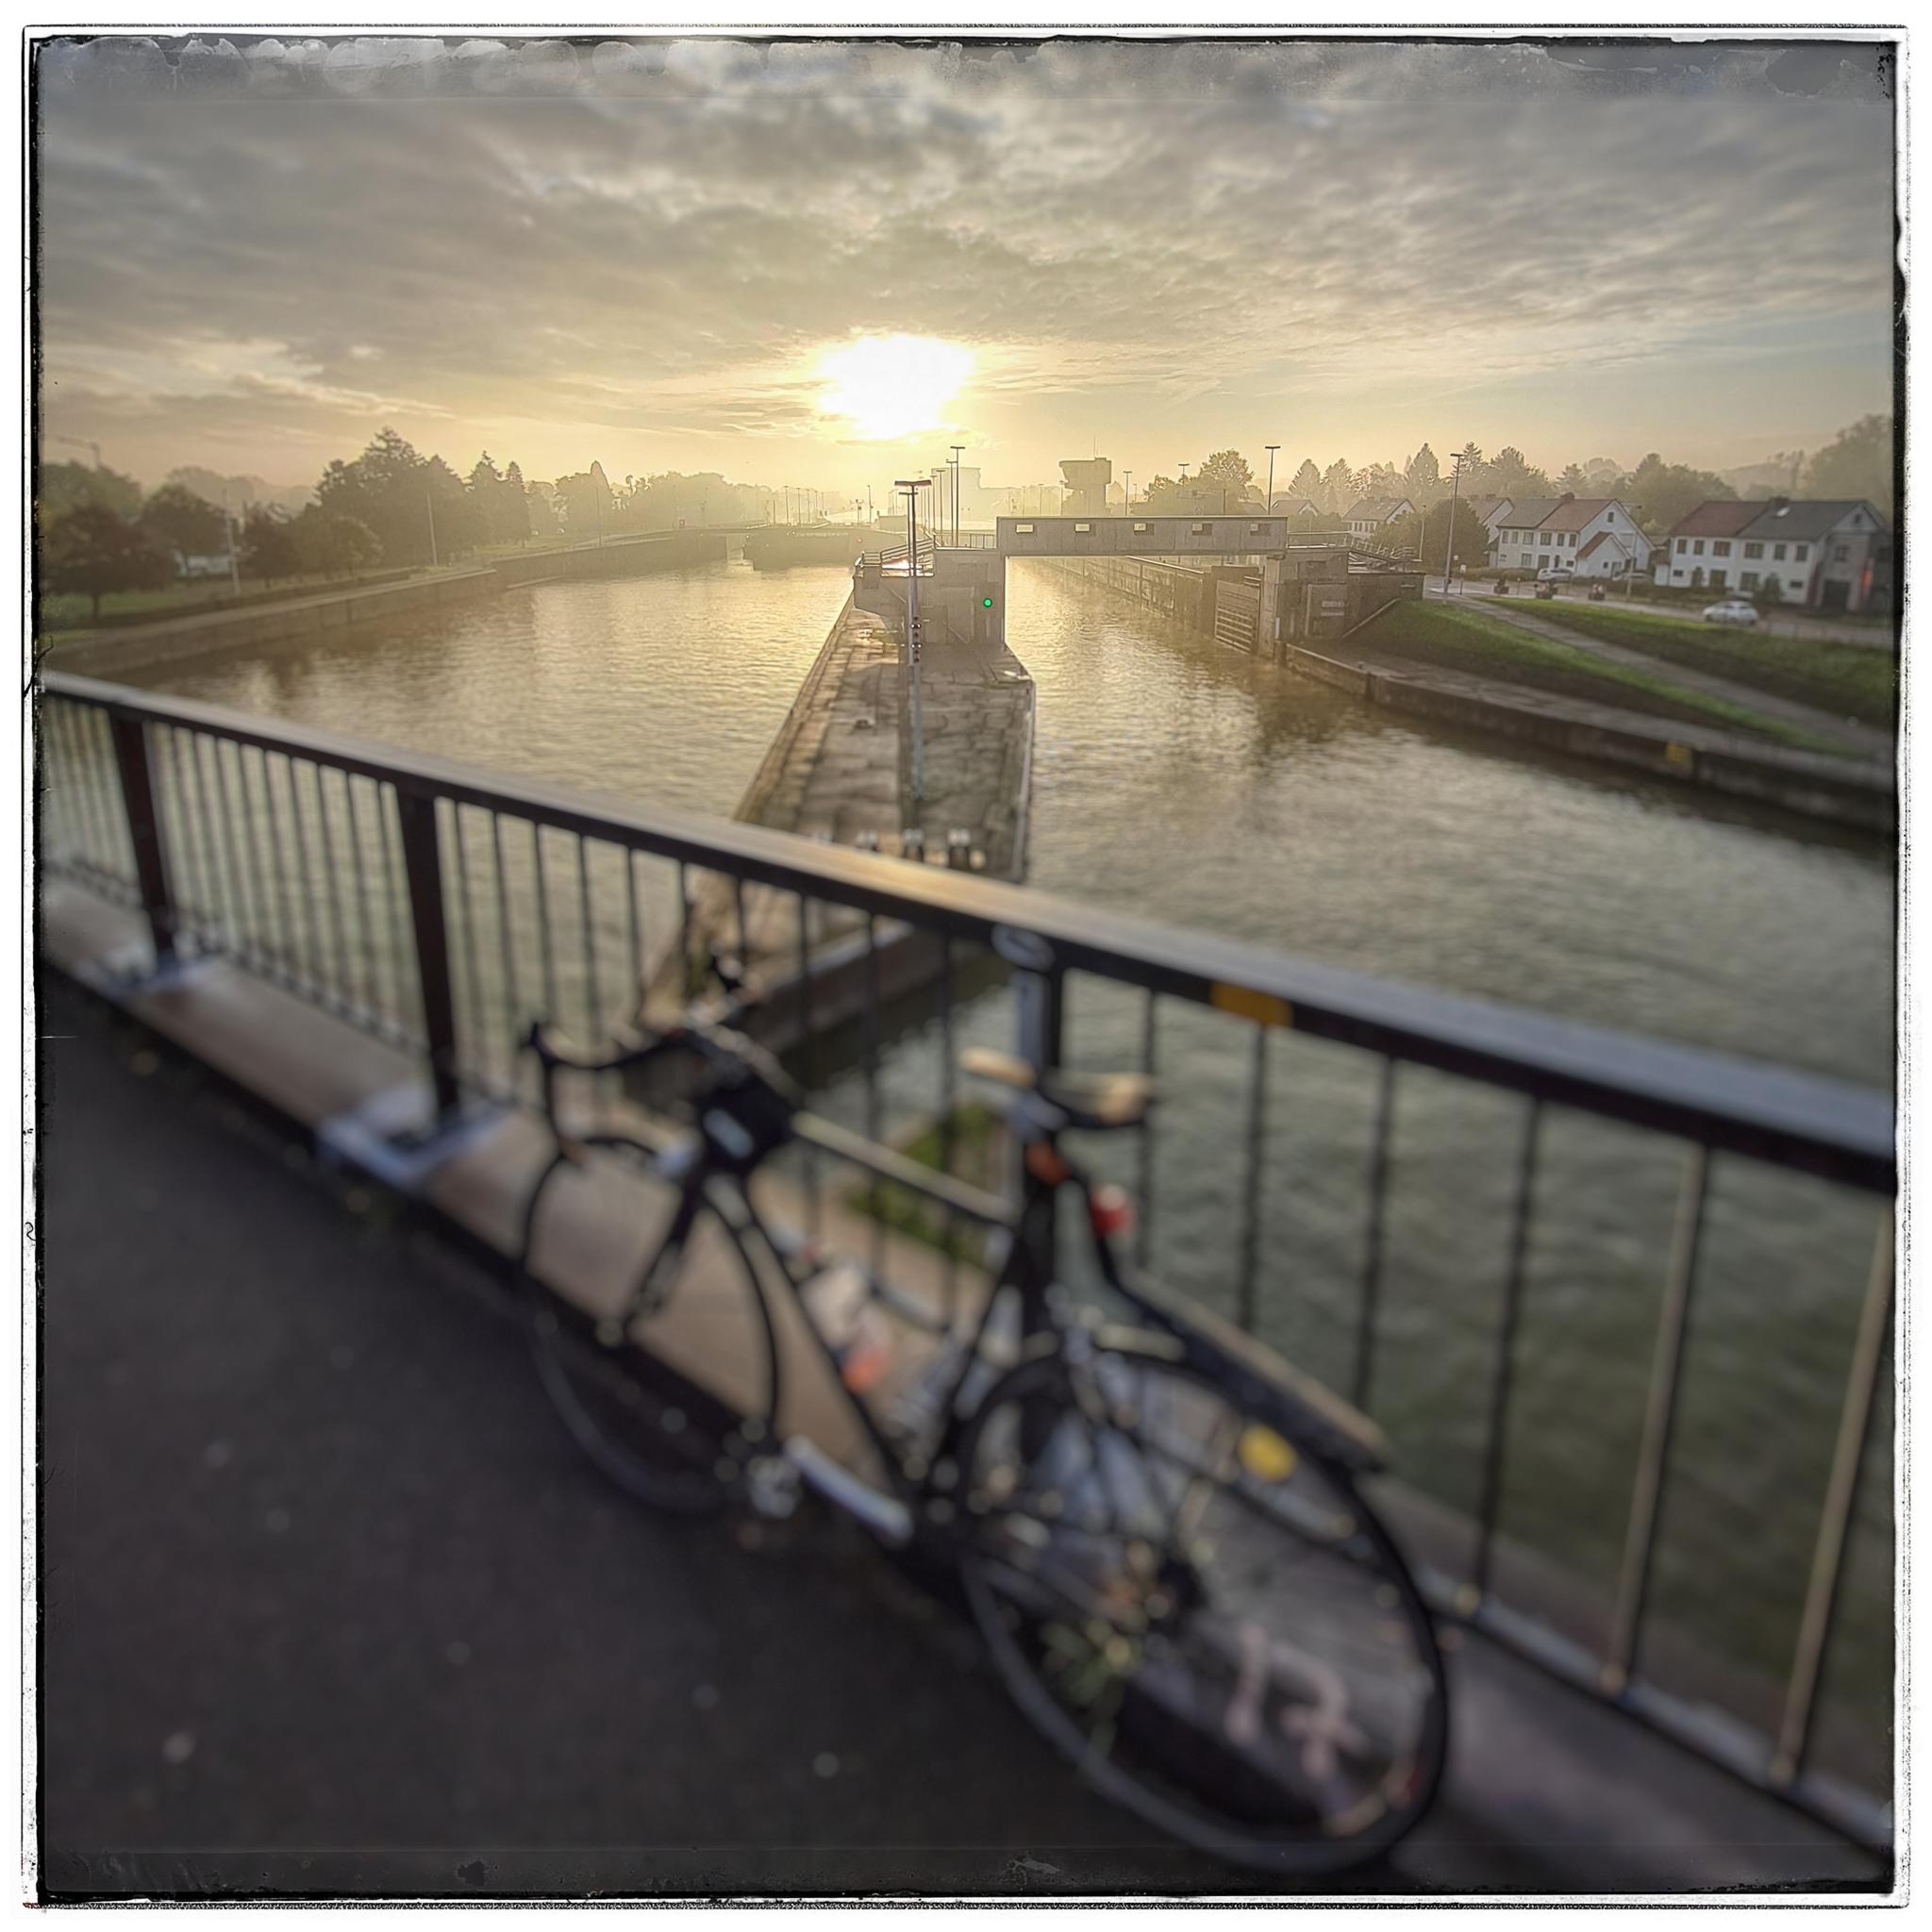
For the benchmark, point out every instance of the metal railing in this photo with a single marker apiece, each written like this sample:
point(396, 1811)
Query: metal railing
point(439, 905)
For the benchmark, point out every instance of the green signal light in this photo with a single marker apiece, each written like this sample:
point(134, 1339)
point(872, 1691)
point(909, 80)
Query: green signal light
point(986, 602)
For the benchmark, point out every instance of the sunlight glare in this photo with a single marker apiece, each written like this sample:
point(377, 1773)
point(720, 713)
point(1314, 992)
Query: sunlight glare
point(887, 387)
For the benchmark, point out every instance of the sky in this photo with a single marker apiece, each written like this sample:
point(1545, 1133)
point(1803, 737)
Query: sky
point(823, 264)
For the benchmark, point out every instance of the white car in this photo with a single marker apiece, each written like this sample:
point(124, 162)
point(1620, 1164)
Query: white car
point(1555, 573)
point(1732, 610)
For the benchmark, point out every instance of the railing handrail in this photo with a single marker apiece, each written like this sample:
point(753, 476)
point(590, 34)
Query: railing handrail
point(1822, 1126)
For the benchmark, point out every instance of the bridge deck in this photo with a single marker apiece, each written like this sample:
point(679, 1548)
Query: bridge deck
point(321, 1572)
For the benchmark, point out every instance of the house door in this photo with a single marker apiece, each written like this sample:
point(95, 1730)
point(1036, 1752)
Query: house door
point(1832, 593)
point(1717, 579)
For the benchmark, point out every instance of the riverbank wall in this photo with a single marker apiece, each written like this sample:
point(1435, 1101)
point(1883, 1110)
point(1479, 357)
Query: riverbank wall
point(839, 770)
point(112, 654)
point(1813, 783)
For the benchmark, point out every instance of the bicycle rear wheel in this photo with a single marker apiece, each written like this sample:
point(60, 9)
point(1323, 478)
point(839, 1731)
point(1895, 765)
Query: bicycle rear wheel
point(1206, 1619)
point(615, 1375)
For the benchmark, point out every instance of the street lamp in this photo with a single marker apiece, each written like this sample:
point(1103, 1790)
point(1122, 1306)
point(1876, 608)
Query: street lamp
point(957, 448)
point(1271, 448)
point(913, 486)
point(1455, 497)
point(1127, 501)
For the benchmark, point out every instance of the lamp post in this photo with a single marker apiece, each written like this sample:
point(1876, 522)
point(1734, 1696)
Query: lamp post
point(913, 486)
point(429, 504)
point(1455, 497)
point(1128, 502)
point(959, 449)
point(1271, 448)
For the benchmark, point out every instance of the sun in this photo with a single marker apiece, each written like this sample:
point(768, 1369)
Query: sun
point(888, 386)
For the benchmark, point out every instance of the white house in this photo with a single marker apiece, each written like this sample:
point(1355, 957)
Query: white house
point(1368, 516)
point(1831, 556)
point(1592, 536)
point(1493, 511)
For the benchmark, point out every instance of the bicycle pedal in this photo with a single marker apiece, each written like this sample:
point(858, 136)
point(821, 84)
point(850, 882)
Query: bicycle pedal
point(774, 1487)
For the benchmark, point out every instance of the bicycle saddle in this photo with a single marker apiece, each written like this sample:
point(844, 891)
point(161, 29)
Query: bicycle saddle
point(1090, 1101)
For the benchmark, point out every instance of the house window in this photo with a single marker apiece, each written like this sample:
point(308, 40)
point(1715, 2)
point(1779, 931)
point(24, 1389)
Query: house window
point(1683, 544)
point(1799, 555)
point(1609, 516)
point(1720, 549)
point(1754, 550)
point(1543, 540)
point(1839, 552)
point(1697, 548)
point(1749, 581)
point(1777, 553)
point(1717, 580)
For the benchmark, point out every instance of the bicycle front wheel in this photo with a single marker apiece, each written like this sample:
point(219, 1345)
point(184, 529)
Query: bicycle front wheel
point(1206, 1619)
point(670, 1387)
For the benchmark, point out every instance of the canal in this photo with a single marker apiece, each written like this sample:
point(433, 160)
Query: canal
point(1184, 782)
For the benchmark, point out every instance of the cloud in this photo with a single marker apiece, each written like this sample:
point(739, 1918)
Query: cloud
point(657, 236)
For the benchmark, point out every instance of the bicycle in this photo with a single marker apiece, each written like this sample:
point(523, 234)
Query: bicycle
point(1155, 1521)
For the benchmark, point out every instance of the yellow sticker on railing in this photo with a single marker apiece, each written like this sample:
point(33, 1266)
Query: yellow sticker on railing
point(1265, 1456)
point(1264, 1007)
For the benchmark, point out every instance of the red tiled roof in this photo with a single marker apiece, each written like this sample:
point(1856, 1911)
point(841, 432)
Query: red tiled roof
point(1717, 519)
point(1577, 512)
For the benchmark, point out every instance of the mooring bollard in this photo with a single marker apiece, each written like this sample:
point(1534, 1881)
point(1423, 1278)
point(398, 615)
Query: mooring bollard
point(959, 849)
point(867, 841)
point(912, 844)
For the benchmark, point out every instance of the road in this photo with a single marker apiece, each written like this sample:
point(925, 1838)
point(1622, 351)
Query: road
point(1830, 630)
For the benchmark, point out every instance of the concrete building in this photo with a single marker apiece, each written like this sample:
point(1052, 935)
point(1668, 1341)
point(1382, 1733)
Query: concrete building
point(1367, 516)
point(1086, 480)
point(1821, 554)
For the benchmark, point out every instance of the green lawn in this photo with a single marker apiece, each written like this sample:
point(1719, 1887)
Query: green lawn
point(1460, 638)
point(1848, 680)
point(69, 614)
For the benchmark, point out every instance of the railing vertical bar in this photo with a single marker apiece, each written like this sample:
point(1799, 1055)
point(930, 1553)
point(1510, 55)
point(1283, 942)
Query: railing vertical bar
point(332, 892)
point(743, 923)
point(91, 728)
point(371, 966)
point(549, 953)
point(1143, 1185)
point(808, 1046)
point(1369, 1311)
point(416, 829)
point(255, 939)
point(634, 916)
point(311, 907)
point(473, 967)
point(1497, 1444)
point(297, 950)
point(184, 858)
point(1659, 1425)
point(874, 1120)
point(513, 987)
point(591, 1000)
point(685, 987)
point(65, 761)
point(261, 886)
point(144, 833)
point(389, 821)
point(949, 1265)
point(1823, 1594)
point(1251, 1193)
point(220, 833)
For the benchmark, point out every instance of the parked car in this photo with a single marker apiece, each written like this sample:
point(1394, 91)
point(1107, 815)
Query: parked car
point(1554, 574)
point(1731, 610)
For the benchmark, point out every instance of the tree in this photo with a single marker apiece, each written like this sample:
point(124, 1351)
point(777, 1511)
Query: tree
point(1227, 469)
point(1660, 495)
point(1422, 479)
point(1511, 474)
point(267, 546)
point(1427, 534)
point(180, 520)
point(62, 486)
point(1574, 480)
point(1337, 487)
point(513, 523)
point(1771, 592)
point(1307, 482)
point(332, 544)
point(93, 551)
point(1857, 465)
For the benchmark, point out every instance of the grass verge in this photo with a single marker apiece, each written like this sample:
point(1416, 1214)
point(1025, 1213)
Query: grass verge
point(1848, 680)
point(1486, 647)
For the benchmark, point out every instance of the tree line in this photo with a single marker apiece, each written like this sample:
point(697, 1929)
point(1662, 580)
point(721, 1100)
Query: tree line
point(390, 506)
point(1857, 463)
